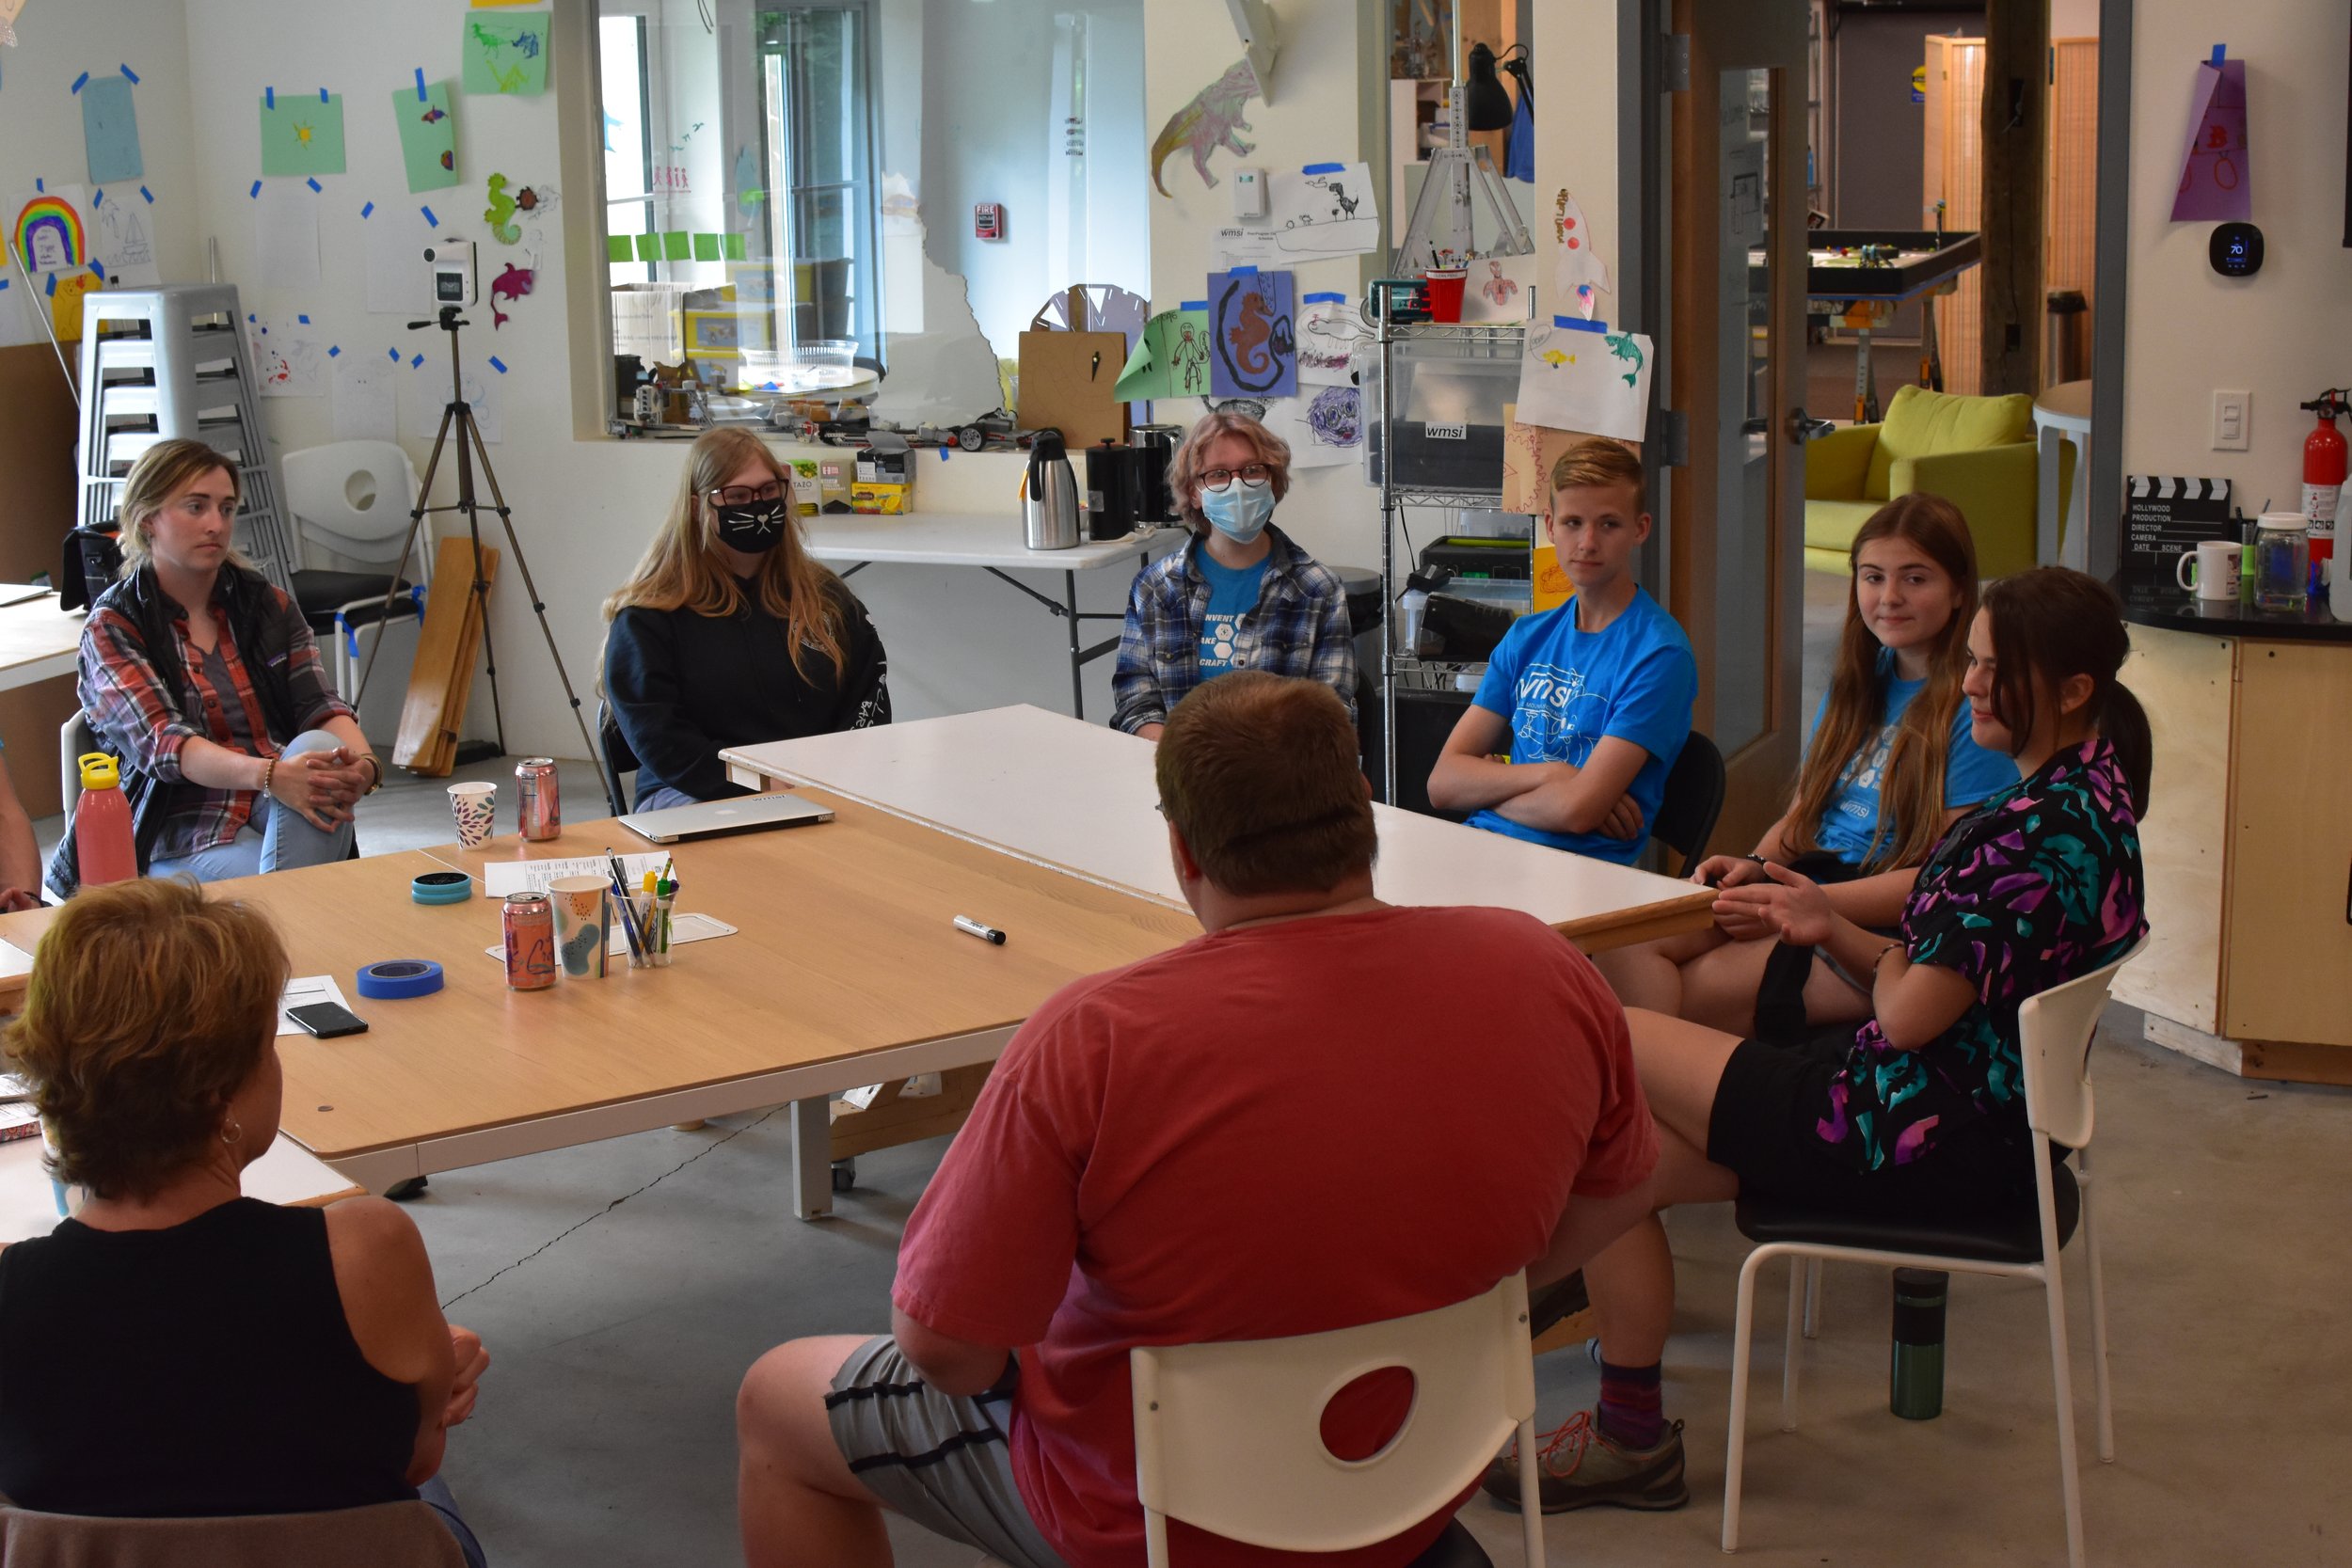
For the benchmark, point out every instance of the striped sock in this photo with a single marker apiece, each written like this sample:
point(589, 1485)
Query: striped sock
point(1632, 1408)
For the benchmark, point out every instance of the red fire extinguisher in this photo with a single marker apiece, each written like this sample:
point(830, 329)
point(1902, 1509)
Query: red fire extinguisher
point(2323, 475)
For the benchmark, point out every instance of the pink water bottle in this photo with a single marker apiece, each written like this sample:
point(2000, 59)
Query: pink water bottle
point(102, 824)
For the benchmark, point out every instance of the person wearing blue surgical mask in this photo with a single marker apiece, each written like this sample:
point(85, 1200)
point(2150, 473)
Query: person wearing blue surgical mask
point(730, 634)
point(1239, 595)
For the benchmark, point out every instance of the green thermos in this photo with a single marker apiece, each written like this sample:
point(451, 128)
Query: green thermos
point(1915, 1379)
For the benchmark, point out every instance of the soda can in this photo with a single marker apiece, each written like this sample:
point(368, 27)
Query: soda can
point(530, 922)
point(541, 810)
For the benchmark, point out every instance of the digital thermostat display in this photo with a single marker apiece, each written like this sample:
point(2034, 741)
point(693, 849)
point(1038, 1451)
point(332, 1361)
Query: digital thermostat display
point(2237, 250)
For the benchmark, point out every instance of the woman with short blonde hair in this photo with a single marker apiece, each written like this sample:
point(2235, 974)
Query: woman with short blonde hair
point(176, 1348)
point(729, 633)
point(1239, 595)
point(204, 679)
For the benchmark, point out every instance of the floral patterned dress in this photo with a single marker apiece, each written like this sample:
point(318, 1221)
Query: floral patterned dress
point(2038, 885)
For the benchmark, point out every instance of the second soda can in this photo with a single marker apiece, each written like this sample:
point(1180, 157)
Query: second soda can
point(538, 806)
point(529, 923)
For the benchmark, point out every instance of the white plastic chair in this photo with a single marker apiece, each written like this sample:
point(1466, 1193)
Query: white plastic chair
point(352, 499)
point(1228, 1436)
point(2054, 1033)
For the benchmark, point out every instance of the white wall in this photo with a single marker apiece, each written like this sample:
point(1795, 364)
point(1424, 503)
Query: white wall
point(40, 121)
point(1316, 116)
point(2286, 332)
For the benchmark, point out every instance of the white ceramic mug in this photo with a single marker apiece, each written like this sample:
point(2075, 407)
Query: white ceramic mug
point(2211, 569)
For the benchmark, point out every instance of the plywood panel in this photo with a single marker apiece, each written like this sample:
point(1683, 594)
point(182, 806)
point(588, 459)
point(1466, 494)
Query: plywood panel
point(2290, 875)
point(442, 676)
point(2182, 679)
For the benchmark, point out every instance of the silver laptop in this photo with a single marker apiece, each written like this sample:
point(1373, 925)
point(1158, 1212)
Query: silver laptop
point(743, 814)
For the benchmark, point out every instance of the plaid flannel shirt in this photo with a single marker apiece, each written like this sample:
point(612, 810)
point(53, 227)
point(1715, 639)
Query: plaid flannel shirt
point(148, 726)
point(1298, 628)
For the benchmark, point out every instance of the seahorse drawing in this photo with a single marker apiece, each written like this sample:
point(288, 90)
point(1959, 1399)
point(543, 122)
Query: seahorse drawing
point(1207, 123)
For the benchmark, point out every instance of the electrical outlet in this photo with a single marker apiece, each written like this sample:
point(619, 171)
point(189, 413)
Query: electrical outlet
point(2232, 421)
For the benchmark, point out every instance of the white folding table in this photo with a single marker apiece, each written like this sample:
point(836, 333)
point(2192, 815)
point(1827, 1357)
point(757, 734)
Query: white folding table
point(991, 542)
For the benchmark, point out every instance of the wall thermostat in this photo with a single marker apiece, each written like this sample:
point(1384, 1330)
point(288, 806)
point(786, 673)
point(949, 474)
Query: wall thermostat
point(451, 262)
point(2237, 250)
point(1249, 198)
point(988, 220)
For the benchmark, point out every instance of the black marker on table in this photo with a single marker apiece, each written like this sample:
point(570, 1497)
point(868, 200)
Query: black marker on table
point(972, 927)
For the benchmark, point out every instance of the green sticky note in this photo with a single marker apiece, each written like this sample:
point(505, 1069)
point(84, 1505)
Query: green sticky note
point(428, 137)
point(706, 248)
point(648, 248)
point(677, 245)
point(302, 135)
point(734, 247)
point(617, 248)
point(505, 54)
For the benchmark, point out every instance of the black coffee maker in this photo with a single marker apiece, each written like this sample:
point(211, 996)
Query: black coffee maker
point(1127, 485)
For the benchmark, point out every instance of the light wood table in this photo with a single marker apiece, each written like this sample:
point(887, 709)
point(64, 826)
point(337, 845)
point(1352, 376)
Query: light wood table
point(38, 641)
point(1079, 799)
point(846, 971)
point(991, 542)
point(287, 1174)
point(2062, 413)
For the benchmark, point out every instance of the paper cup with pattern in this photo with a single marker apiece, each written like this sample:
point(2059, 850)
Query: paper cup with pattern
point(584, 916)
point(476, 808)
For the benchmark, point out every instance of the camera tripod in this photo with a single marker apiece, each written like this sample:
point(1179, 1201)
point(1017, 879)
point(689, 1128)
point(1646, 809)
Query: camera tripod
point(457, 415)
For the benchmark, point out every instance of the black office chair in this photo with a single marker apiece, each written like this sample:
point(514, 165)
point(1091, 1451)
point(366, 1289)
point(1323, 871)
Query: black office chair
point(613, 757)
point(1694, 800)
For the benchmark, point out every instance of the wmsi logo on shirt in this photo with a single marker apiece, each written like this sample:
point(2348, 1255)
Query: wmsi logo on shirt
point(1556, 716)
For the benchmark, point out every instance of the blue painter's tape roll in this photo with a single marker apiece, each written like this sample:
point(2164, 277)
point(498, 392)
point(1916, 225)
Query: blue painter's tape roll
point(396, 978)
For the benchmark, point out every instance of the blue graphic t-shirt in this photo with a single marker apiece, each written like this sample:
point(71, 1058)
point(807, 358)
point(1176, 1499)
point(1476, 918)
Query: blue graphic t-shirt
point(1233, 593)
point(1850, 819)
point(1563, 690)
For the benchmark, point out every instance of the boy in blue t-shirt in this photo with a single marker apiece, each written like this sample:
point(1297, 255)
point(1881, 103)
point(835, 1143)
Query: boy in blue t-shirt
point(1594, 697)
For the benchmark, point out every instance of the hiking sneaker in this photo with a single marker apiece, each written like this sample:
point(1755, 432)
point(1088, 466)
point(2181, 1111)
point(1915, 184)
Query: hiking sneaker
point(1580, 1467)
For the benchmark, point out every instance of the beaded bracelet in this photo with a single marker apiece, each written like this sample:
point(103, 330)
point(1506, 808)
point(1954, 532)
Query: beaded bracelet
point(269, 769)
point(376, 771)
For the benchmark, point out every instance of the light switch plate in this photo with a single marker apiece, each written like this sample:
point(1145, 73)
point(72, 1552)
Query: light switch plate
point(2233, 420)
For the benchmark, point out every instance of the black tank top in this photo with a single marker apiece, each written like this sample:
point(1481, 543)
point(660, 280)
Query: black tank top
point(203, 1370)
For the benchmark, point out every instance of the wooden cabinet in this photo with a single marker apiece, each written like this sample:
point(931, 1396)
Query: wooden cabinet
point(2287, 946)
point(2247, 844)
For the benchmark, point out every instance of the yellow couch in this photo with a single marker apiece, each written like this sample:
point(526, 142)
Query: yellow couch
point(1977, 453)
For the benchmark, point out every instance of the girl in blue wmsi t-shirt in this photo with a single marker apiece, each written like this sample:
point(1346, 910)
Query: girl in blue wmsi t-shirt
point(1592, 700)
point(1889, 765)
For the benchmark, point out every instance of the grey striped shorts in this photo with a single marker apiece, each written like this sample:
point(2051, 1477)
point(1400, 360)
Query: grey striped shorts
point(942, 1462)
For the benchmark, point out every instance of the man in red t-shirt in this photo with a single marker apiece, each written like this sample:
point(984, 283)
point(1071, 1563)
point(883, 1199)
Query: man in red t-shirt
point(1324, 1112)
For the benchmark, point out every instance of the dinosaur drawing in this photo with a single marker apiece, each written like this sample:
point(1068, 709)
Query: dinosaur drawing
point(510, 285)
point(1207, 123)
point(1347, 203)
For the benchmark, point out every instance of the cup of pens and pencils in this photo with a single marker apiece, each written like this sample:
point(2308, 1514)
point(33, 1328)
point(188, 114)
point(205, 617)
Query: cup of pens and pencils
point(645, 912)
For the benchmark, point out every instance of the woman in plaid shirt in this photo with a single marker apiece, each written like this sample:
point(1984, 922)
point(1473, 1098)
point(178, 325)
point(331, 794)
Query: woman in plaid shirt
point(203, 678)
point(1240, 595)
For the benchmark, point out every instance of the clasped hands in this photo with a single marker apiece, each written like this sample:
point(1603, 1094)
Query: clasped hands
point(1759, 899)
point(322, 785)
point(472, 1361)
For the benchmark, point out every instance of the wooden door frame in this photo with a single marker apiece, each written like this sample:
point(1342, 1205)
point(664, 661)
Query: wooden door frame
point(1759, 773)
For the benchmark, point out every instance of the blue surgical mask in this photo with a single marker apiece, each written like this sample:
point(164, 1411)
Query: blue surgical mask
point(1240, 509)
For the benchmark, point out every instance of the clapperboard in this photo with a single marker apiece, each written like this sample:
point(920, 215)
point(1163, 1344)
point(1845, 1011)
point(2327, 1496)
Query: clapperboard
point(2164, 517)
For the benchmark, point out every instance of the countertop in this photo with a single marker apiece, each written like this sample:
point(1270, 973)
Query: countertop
point(2174, 609)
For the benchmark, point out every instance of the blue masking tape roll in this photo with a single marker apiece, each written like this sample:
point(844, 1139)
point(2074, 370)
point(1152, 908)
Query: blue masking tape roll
point(395, 979)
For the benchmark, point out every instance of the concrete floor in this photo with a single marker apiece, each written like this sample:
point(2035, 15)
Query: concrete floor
point(624, 1287)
